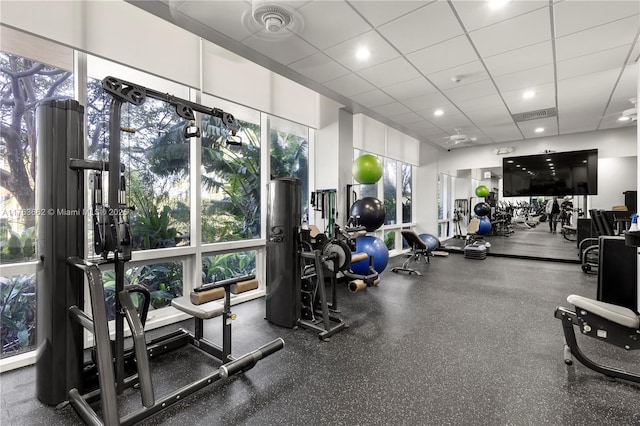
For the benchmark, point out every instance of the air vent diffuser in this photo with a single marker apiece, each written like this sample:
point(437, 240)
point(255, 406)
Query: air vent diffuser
point(534, 115)
point(272, 17)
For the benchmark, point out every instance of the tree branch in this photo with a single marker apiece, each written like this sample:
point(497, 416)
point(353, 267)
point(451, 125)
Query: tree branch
point(25, 73)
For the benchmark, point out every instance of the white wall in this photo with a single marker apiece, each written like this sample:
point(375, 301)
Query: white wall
point(615, 175)
point(372, 136)
point(610, 144)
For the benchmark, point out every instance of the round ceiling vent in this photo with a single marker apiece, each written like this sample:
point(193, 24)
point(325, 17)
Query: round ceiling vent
point(272, 17)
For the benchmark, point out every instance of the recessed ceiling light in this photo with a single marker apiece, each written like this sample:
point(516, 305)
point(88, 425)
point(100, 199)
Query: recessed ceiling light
point(548, 159)
point(624, 118)
point(517, 165)
point(438, 112)
point(584, 161)
point(524, 168)
point(510, 161)
point(497, 4)
point(539, 130)
point(363, 53)
point(528, 94)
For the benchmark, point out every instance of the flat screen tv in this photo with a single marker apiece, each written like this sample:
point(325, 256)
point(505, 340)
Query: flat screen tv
point(552, 174)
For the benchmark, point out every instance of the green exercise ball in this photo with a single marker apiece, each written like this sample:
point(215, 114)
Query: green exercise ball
point(367, 169)
point(482, 191)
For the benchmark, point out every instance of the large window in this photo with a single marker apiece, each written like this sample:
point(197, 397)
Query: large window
point(156, 158)
point(197, 200)
point(395, 190)
point(390, 185)
point(230, 176)
point(23, 83)
point(164, 281)
point(289, 153)
point(364, 190)
point(217, 267)
point(407, 189)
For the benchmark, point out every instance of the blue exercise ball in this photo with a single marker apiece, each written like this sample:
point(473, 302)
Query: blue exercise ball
point(370, 213)
point(482, 209)
point(375, 247)
point(431, 241)
point(484, 227)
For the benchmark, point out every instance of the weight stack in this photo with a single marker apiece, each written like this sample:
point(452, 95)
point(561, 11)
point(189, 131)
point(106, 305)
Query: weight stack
point(283, 263)
point(60, 235)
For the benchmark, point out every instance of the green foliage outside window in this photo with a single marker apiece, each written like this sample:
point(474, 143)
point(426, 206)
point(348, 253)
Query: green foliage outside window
point(18, 314)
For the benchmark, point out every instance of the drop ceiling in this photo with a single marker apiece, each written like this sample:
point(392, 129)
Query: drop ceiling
point(471, 61)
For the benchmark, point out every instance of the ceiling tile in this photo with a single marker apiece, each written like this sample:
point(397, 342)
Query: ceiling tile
point(635, 54)
point(580, 118)
point(409, 89)
point(373, 98)
point(408, 118)
point(518, 60)
point(516, 33)
point(550, 126)
point(625, 89)
point(619, 33)
point(582, 100)
point(587, 64)
point(611, 122)
point(453, 122)
point(390, 110)
point(283, 50)
point(545, 98)
point(439, 57)
point(485, 103)
point(349, 85)
point(432, 132)
point(217, 16)
point(380, 12)
point(327, 23)
point(471, 91)
point(430, 102)
point(489, 116)
point(429, 25)
point(478, 14)
point(591, 13)
point(319, 67)
point(505, 132)
point(467, 74)
point(525, 79)
point(345, 53)
point(390, 72)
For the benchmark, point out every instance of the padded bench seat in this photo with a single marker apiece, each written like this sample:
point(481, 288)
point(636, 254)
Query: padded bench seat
point(618, 314)
point(205, 311)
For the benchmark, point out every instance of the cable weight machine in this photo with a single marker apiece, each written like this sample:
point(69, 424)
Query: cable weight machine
point(61, 373)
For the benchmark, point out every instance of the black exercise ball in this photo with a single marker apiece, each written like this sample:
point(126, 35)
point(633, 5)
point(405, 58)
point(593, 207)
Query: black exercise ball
point(482, 209)
point(369, 212)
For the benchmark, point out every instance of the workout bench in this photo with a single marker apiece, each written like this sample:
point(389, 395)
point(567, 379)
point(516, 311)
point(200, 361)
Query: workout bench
point(419, 250)
point(610, 323)
point(202, 304)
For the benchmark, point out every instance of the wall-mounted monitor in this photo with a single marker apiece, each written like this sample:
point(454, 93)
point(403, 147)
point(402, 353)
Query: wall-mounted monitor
point(551, 174)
